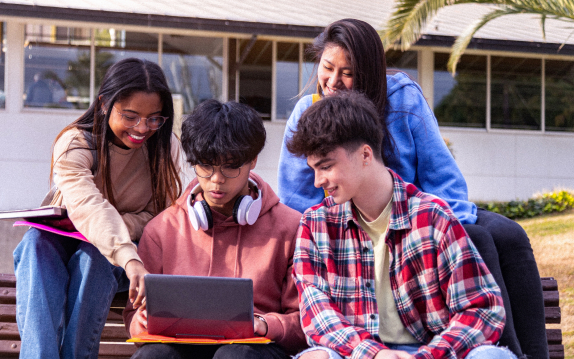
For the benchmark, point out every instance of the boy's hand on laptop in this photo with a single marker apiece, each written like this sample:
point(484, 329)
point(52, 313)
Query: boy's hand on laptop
point(135, 272)
point(260, 326)
point(393, 354)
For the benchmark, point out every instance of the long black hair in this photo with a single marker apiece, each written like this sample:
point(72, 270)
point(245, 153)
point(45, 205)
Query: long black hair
point(365, 52)
point(122, 80)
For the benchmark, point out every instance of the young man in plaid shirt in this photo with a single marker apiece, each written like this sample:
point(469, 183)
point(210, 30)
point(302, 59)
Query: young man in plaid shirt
point(383, 270)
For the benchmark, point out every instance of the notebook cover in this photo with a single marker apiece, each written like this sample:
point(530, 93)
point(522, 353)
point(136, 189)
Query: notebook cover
point(76, 235)
point(145, 337)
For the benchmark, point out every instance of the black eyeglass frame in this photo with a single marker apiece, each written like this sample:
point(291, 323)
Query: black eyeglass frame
point(220, 170)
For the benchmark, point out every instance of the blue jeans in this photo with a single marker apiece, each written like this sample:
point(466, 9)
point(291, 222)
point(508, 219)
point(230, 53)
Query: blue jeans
point(64, 291)
point(481, 352)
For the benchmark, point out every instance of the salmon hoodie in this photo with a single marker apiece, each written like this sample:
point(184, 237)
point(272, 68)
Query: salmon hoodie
point(262, 252)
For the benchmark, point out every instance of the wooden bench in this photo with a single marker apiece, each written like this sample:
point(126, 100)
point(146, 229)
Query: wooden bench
point(113, 343)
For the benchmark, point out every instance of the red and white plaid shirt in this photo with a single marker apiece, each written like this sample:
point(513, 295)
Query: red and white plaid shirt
point(444, 294)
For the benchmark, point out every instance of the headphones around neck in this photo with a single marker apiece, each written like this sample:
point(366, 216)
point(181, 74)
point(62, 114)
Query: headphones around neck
point(245, 210)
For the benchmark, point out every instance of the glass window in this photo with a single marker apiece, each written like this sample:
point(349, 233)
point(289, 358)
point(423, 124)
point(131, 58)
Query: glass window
point(2, 62)
point(515, 93)
point(193, 68)
point(113, 45)
point(287, 67)
point(559, 109)
point(309, 83)
point(460, 100)
point(56, 67)
point(255, 76)
point(402, 61)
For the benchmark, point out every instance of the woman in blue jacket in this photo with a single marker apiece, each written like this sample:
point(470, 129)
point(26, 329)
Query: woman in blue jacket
point(350, 56)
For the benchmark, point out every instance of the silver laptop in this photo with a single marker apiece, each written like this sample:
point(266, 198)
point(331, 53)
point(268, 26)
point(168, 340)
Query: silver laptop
point(199, 307)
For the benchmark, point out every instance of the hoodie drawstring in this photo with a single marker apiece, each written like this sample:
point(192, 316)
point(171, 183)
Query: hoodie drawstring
point(237, 252)
point(212, 246)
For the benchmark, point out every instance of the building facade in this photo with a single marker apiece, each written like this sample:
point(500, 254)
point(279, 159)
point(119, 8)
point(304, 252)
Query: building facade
point(508, 112)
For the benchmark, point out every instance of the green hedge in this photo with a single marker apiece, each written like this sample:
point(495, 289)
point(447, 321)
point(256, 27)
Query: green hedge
point(552, 202)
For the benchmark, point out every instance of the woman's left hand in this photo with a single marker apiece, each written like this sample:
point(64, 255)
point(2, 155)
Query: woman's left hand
point(135, 272)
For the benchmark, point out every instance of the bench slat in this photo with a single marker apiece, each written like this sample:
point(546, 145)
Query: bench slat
point(551, 298)
point(552, 315)
point(114, 350)
point(117, 349)
point(9, 331)
point(9, 348)
point(8, 314)
point(114, 334)
point(7, 295)
point(556, 351)
point(7, 280)
point(549, 283)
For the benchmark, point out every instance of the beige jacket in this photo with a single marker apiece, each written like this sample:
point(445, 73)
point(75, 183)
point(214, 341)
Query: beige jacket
point(111, 229)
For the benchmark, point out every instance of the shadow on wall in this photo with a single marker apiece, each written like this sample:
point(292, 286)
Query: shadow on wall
point(9, 239)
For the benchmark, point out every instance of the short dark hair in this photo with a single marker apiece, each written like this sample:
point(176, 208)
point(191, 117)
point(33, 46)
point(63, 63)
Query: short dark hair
point(216, 133)
point(347, 119)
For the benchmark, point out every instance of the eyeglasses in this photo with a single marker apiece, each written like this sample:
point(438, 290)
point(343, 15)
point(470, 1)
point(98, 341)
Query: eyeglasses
point(206, 171)
point(153, 123)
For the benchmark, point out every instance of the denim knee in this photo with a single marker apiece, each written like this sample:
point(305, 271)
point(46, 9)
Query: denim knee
point(490, 352)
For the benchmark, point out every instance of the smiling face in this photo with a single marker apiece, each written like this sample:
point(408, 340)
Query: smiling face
point(335, 71)
point(221, 192)
point(339, 173)
point(142, 104)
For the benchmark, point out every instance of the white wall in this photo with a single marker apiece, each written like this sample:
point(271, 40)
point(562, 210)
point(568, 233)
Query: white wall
point(25, 150)
point(496, 165)
point(512, 165)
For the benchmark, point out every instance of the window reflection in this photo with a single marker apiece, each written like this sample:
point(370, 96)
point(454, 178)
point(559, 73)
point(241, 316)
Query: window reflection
point(402, 61)
point(287, 67)
point(193, 68)
point(113, 45)
point(515, 93)
point(2, 62)
point(559, 109)
point(255, 76)
point(56, 67)
point(309, 73)
point(460, 100)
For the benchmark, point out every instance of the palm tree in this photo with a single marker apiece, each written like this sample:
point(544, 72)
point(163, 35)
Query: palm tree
point(410, 16)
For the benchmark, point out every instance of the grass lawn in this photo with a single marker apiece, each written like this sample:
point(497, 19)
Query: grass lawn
point(552, 238)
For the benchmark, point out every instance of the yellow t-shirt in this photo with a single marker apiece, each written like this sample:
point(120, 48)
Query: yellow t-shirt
point(391, 328)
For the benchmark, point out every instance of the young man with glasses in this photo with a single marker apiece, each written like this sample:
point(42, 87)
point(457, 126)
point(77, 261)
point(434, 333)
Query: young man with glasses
point(228, 223)
point(383, 270)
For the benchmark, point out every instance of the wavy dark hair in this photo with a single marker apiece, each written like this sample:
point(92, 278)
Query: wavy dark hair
point(122, 80)
point(347, 119)
point(365, 52)
point(216, 133)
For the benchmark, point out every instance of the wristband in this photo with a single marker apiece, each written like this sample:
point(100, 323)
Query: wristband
point(264, 321)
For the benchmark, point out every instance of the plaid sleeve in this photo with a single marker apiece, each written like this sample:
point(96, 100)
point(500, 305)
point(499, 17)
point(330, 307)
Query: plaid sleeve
point(472, 296)
point(322, 321)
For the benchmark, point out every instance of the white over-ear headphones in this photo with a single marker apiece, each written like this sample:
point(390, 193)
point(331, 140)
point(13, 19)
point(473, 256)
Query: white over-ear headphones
point(245, 210)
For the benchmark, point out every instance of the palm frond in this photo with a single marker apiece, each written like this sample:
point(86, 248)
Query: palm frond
point(411, 16)
point(463, 40)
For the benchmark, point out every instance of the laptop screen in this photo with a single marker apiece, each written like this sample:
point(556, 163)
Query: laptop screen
point(199, 307)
